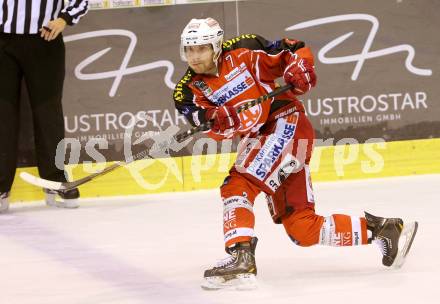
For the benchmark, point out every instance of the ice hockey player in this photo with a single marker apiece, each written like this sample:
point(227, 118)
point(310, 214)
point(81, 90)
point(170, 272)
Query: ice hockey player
point(274, 152)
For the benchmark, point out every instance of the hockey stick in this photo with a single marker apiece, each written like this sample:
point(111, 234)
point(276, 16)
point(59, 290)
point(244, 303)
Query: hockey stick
point(44, 183)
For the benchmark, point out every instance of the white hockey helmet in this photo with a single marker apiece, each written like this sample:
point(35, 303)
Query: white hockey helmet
point(199, 32)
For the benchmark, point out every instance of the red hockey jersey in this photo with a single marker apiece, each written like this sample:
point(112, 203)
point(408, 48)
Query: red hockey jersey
point(243, 75)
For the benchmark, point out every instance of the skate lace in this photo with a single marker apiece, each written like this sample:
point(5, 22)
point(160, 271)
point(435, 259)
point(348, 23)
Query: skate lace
point(382, 244)
point(226, 261)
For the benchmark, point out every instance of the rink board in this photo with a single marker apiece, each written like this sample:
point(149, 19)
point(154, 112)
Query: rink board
point(329, 163)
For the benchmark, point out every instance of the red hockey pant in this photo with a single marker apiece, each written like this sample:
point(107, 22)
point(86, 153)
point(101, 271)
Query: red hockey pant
point(276, 162)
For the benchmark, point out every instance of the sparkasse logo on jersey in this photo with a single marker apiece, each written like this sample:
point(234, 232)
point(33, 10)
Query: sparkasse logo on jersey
point(232, 89)
point(271, 150)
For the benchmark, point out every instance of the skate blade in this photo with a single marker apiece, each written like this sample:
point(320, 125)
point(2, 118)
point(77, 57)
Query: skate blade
point(246, 281)
point(4, 207)
point(405, 241)
point(54, 200)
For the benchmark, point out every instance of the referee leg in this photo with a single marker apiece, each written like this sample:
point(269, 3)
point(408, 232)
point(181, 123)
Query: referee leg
point(10, 80)
point(44, 71)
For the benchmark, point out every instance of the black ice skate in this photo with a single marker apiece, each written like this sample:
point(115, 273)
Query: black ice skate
point(62, 198)
point(393, 237)
point(236, 271)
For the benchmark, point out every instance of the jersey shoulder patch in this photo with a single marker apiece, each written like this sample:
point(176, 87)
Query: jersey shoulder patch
point(181, 88)
point(243, 41)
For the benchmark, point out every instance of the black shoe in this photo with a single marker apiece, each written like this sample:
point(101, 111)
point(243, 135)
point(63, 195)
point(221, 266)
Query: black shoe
point(62, 198)
point(238, 270)
point(4, 201)
point(387, 232)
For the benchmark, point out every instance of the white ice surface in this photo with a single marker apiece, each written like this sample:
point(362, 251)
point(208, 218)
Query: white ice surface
point(154, 249)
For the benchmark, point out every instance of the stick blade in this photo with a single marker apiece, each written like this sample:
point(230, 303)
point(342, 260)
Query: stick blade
point(40, 182)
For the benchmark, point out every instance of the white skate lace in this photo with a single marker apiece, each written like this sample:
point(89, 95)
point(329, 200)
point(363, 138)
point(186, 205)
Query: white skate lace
point(226, 261)
point(382, 245)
